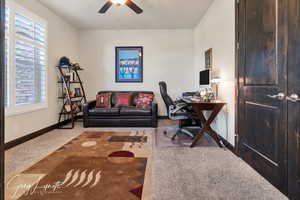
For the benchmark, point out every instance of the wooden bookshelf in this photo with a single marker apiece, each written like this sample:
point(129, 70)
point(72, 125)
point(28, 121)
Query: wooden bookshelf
point(71, 105)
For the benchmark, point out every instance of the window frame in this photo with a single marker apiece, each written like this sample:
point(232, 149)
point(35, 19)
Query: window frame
point(12, 108)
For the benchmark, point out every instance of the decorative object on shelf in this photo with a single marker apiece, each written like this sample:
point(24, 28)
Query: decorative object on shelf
point(68, 108)
point(76, 66)
point(129, 64)
point(72, 94)
point(72, 97)
point(76, 108)
point(64, 62)
point(208, 59)
point(69, 76)
point(78, 92)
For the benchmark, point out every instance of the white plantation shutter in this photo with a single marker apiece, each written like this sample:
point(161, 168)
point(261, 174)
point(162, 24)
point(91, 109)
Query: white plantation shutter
point(40, 34)
point(30, 59)
point(24, 27)
point(6, 102)
point(25, 74)
point(40, 61)
point(27, 62)
point(7, 16)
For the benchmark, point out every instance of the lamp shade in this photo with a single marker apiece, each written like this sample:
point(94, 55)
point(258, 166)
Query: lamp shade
point(216, 80)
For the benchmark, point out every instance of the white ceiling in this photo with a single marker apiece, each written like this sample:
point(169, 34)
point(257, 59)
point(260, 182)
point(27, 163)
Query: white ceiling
point(158, 14)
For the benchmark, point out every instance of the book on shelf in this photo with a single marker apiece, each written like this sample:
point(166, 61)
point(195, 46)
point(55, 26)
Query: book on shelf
point(78, 92)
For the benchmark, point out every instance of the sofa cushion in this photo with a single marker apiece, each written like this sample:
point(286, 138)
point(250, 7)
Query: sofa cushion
point(145, 101)
point(103, 100)
point(123, 99)
point(104, 112)
point(134, 98)
point(132, 111)
point(134, 94)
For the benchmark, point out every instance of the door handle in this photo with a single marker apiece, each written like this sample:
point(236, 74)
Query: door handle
point(279, 96)
point(293, 98)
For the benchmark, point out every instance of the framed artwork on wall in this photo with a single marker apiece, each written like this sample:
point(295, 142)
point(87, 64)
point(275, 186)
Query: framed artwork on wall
point(129, 64)
point(208, 59)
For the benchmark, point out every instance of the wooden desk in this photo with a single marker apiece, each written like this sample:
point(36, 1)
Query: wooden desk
point(198, 108)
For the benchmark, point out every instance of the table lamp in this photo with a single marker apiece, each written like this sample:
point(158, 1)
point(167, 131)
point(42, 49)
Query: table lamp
point(216, 81)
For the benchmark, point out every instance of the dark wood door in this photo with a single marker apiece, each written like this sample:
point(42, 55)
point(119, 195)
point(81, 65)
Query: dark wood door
point(262, 76)
point(294, 104)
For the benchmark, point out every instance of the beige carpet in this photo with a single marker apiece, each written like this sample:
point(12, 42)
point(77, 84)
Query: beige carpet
point(207, 173)
point(180, 173)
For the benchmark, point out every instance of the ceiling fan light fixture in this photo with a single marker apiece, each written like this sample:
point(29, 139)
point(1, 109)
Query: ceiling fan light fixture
point(122, 2)
point(128, 3)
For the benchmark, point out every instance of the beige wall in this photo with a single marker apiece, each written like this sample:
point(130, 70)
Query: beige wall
point(216, 30)
point(175, 56)
point(62, 40)
point(168, 56)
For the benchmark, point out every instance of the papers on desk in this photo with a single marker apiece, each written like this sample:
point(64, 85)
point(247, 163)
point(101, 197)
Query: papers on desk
point(186, 100)
point(194, 99)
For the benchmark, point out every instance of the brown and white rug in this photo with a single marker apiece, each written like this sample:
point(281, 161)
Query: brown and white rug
point(95, 165)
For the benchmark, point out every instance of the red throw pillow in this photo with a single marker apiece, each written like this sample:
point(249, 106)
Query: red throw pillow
point(123, 100)
point(144, 101)
point(103, 100)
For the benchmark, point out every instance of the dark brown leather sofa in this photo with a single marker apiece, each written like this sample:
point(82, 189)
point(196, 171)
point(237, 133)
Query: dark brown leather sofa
point(119, 117)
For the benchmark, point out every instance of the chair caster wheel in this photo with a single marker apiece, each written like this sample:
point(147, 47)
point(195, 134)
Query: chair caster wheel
point(174, 137)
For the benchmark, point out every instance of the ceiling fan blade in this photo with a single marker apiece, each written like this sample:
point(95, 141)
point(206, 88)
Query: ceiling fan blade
point(134, 7)
point(105, 7)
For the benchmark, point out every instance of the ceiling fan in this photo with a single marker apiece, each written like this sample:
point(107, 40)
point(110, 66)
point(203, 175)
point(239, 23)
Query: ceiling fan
point(128, 3)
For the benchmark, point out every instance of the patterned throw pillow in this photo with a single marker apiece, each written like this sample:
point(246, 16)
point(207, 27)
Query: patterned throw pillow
point(103, 100)
point(145, 101)
point(123, 100)
point(134, 98)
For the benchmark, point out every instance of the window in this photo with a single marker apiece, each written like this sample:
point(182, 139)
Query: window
point(26, 60)
point(6, 55)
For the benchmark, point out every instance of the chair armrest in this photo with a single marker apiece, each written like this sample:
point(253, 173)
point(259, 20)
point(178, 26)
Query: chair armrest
point(178, 111)
point(178, 107)
point(181, 105)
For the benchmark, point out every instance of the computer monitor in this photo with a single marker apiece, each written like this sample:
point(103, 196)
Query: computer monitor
point(205, 77)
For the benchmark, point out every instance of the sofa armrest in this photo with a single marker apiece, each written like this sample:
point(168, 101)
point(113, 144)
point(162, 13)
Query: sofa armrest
point(154, 114)
point(89, 105)
point(85, 109)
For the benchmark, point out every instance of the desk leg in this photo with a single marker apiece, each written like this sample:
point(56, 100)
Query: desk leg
point(216, 137)
point(207, 123)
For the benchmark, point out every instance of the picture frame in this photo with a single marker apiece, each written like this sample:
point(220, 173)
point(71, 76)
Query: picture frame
point(208, 59)
point(129, 64)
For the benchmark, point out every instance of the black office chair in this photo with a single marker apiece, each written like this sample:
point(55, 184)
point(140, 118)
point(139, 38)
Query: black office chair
point(177, 111)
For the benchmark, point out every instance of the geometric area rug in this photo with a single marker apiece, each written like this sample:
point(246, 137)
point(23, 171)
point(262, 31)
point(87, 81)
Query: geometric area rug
point(90, 167)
